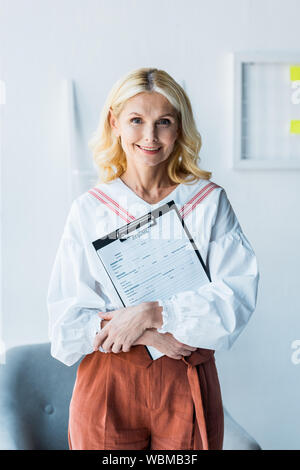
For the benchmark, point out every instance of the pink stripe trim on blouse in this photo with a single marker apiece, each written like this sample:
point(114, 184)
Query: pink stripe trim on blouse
point(116, 211)
point(190, 206)
point(124, 214)
point(114, 202)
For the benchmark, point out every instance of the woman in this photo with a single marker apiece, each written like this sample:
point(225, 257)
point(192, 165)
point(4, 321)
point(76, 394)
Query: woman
point(146, 148)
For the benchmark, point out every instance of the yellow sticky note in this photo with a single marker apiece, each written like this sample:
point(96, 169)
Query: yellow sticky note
point(295, 127)
point(295, 72)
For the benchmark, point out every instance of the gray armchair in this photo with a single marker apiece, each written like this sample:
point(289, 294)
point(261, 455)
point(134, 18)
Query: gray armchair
point(35, 391)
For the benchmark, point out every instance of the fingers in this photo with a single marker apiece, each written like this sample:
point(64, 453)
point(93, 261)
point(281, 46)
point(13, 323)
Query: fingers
point(174, 356)
point(110, 314)
point(179, 344)
point(190, 348)
point(185, 353)
point(110, 344)
point(116, 348)
point(99, 338)
point(106, 315)
point(181, 353)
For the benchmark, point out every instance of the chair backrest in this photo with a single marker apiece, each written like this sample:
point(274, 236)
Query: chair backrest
point(35, 393)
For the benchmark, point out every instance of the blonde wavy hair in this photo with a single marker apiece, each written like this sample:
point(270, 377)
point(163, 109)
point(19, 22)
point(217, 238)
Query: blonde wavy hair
point(106, 148)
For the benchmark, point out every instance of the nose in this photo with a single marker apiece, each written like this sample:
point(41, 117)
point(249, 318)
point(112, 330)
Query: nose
point(150, 133)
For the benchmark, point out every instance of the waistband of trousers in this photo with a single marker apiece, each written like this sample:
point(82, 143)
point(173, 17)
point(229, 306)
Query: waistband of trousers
point(140, 356)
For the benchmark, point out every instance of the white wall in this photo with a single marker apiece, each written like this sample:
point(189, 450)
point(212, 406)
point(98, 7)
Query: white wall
point(94, 42)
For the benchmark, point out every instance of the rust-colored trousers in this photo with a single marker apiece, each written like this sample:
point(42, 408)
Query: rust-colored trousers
point(129, 401)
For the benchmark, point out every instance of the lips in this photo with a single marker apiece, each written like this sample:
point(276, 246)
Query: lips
point(146, 149)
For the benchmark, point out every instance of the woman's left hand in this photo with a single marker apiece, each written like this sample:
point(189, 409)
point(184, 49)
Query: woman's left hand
point(126, 325)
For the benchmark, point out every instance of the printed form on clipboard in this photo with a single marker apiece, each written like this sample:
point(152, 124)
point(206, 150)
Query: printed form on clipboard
point(151, 258)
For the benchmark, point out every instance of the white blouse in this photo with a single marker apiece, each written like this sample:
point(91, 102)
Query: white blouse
point(211, 317)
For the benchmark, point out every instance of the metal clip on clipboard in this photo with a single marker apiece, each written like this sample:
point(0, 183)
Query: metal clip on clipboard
point(134, 225)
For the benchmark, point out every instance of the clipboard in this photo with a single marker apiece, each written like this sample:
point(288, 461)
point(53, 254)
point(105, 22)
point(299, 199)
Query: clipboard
point(152, 257)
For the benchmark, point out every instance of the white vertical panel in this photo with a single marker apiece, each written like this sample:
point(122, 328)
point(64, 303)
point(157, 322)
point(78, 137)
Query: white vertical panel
point(2, 103)
point(81, 177)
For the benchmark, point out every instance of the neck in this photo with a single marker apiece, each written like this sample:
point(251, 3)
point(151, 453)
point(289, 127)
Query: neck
point(146, 180)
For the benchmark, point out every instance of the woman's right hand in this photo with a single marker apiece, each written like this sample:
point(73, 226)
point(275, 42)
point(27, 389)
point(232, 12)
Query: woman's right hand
point(168, 345)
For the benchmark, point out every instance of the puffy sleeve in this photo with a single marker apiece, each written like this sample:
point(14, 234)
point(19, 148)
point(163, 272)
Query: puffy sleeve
point(72, 300)
point(214, 315)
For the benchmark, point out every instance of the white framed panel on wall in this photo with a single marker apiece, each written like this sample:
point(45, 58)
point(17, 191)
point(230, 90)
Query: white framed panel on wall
point(266, 110)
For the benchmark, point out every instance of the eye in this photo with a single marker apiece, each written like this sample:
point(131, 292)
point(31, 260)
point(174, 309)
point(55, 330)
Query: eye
point(133, 119)
point(165, 122)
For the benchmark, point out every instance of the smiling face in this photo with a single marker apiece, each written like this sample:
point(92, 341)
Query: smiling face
point(148, 127)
